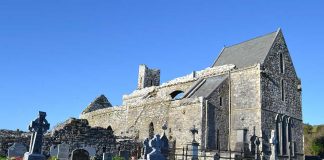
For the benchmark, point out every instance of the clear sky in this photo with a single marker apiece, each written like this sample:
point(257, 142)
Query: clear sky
point(58, 55)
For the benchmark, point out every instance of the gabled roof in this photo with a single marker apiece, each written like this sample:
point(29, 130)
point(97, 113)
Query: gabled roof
point(247, 53)
point(209, 85)
point(99, 103)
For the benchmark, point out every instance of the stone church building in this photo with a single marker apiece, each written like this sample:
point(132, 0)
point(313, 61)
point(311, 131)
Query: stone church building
point(251, 92)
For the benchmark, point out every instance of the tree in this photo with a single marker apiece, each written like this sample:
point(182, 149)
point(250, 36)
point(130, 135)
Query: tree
point(317, 146)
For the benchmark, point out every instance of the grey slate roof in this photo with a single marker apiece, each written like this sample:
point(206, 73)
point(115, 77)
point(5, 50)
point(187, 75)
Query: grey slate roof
point(247, 53)
point(209, 86)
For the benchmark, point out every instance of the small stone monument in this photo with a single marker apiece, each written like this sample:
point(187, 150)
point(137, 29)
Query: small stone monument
point(80, 154)
point(53, 151)
point(257, 144)
point(38, 127)
point(273, 141)
point(155, 144)
point(125, 154)
point(16, 150)
point(108, 156)
point(164, 142)
point(147, 148)
point(194, 144)
point(63, 151)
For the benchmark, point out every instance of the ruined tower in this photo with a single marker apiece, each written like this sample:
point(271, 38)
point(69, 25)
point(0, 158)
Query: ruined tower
point(148, 77)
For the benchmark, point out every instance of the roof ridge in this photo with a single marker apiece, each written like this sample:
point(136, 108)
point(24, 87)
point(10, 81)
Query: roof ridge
point(251, 39)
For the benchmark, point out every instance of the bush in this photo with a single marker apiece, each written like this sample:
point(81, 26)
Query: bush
point(317, 146)
point(118, 158)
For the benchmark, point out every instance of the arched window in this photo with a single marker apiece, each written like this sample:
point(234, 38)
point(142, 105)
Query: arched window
point(278, 133)
point(151, 130)
point(282, 85)
point(290, 142)
point(282, 63)
point(177, 94)
point(284, 135)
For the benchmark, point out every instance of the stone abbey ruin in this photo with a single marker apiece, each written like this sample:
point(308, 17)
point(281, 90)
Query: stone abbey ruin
point(249, 100)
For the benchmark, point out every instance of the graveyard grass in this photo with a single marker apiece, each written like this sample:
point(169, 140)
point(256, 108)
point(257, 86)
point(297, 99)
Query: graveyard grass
point(118, 158)
point(2, 158)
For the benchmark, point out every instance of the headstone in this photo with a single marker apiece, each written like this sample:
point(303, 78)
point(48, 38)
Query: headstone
point(155, 144)
point(164, 142)
point(273, 141)
point(16, 150)
point(53, 151)
point(63, 151)
point(216, 156)
point(125, 154)
point(80, 154)
point(108, 156)
point(147, 148)
point(92, 151)
point(38, 127)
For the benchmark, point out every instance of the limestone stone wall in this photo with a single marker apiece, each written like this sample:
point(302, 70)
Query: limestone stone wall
point(272, 103)
point(218, 117)
point(134, 121)
point(245, 103)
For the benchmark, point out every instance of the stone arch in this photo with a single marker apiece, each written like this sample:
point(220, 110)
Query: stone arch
point(284, 135)
point(151, 130)
point(177, 94)
point(290, 139)
point(278, 133)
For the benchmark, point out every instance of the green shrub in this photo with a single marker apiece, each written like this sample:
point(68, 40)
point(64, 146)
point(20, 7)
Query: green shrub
point(118, 158)
point(317, 146)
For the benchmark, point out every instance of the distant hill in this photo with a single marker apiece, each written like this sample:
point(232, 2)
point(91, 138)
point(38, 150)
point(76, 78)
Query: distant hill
point(311, 134)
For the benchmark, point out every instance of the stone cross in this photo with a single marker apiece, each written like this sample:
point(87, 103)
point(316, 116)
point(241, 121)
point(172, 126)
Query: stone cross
point(273, 141)
point(39, 126)
point(194, 131)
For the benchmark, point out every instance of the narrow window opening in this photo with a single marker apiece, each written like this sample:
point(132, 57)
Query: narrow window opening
point(282, 90)
point(220, 101)
point(278, 134)
point(151, 130)
point(282, 65)
point(284, 136)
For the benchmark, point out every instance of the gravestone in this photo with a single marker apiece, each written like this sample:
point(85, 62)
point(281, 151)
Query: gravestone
point(147, 148)
point(16, 150)
point(53, 151)
point(63, 151)
point(155, 144)
point(125, 154)
point(80, 154)
point(92, 151)
point(38, 127)
point(108, 156)
point(164, 142)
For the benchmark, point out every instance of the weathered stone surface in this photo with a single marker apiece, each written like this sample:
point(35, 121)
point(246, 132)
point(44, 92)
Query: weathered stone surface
point(100, 102)
point(17, 150)
point(63, 151)
point(53, 151)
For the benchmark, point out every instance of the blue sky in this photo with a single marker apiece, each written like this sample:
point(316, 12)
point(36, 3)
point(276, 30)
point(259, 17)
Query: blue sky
point(58, 55)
